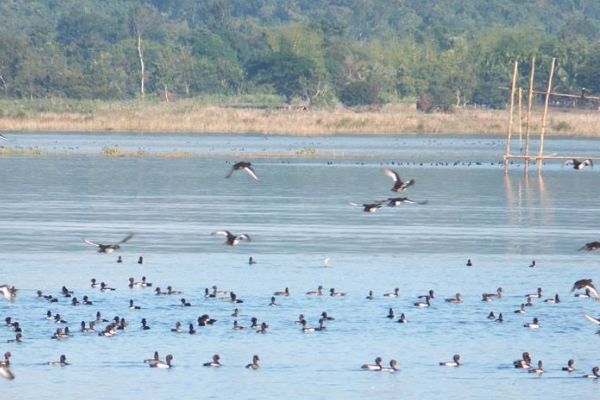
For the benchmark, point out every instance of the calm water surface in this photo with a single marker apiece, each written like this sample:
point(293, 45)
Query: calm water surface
point(296, 217)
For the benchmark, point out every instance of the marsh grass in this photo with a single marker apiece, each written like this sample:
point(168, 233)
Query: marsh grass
point(267, 115)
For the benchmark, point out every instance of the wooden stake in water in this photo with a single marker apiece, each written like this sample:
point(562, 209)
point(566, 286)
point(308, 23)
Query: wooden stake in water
point(540, 160)
point(520, 122)
point(528, 123)
point(510, 118)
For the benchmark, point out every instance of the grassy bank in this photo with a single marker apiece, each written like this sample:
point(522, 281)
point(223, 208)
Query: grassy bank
point(267, 116)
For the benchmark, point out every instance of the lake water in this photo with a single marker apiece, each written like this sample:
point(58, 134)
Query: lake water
point(298, 215)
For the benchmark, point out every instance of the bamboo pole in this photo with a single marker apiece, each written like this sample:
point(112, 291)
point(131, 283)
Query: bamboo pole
point(528, 126)
point(520, 122)
point(541, 161)
point(510, 118)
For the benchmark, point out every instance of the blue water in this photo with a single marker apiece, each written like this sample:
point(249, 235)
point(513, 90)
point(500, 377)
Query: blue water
point(298, 215)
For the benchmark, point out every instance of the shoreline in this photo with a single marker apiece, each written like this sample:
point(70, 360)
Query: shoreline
point(195, 117)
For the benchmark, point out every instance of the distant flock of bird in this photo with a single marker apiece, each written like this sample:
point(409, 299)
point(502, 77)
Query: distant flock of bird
point(231, 239)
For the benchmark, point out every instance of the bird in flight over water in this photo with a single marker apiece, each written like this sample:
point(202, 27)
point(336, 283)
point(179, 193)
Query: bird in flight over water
point(231, 239)
point(399, 186)
point(591, 246)
point(108, 248)
point(586, 284)
point(246, 166)
point(577, 164)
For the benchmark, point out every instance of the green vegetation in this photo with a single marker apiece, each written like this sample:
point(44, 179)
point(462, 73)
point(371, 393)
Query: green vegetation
point(315, 53)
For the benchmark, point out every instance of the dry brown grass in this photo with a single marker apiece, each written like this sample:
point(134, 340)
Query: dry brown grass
point(193, 116)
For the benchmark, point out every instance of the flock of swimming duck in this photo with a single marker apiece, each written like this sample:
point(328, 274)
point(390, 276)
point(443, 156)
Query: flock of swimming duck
point(119, 324)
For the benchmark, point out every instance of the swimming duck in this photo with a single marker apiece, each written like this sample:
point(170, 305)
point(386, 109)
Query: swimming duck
point(74, 301)
point(524, 363)
point(263, 328)
point(66, 292)
point(214, 363)
point(455, 299)
point(254, 365)
point(391, 314)
point(402, 319)
point(105, 288)
point(18, 338)
point(119, 260)
point(305, 329)
point(94, 284)
point(61, 363)
point(184, 303)
point(17, 327)
point(394, 294)
point(99, 318)
point(300, 319)
point(373, 367)
point(398, 201)
point(454, 363)
point(191, 330)
point(145, 282)
point(145, 324)
point(469, 263)
point(491, 316)
point(236, 313)
point(163, 365)
point(399, 186)
point(159, 292)
point(326, 317)
point(539, 370)
point(579, 164)
point(86, 301)
point(426, 303)
point(318, 292)
point(272, 303)
point(586, 284)
point(237, 327)
point(538, 294)
point(499, 293)
point(171, 292)
point(87, 330)
point(529, 302)
point(285, 293)
point(205, 319)
point(231, 239)
point(177, 328)
point(133, 307)
point(208, 295)
point(251, 261)
point(554, 300)
point(59, 320)
point(368, 207)
point(8, 320)
point(570, 366)
point(255, 324)
point(533, 264)
point(108, 248)
point(500, 318)
point(595, 373)
point(243, 165)
point(533, 325)
point(333, 293)
point(370, 295)
point(140, 260)
point(216, 290)
point(392, 368)
point(60, 334)
point(134, 284)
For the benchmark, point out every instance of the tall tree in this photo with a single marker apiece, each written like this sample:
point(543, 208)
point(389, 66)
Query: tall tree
point(141, 18)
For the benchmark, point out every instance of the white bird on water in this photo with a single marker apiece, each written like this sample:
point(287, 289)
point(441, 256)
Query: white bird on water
point(326, 262)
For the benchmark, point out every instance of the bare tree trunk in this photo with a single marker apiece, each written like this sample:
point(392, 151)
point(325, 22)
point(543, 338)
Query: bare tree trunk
point(166, 93)
point(4, 85)
point(141, 56)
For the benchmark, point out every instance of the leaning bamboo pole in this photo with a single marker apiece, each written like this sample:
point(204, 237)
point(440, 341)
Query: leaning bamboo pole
point(540, 162)
point(529, 101)
point(510, 118)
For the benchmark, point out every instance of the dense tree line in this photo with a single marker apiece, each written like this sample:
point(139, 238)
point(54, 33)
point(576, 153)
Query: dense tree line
point(318, 51)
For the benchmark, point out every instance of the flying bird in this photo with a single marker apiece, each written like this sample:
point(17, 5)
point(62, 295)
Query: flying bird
point(586, 284)
point(108, 248)
point(3, 137)
point(232, 239)
point(579, 164)
point(246, 166)
point(372, 207)
point(591, 246)
point(398, 201)
point(399, 186)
